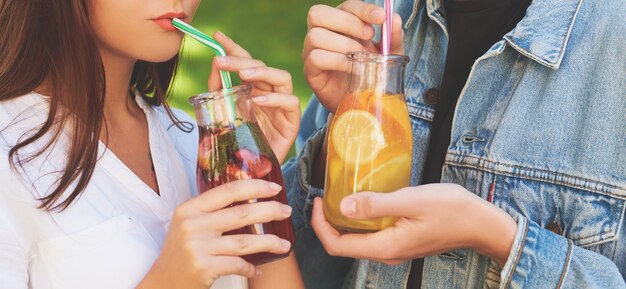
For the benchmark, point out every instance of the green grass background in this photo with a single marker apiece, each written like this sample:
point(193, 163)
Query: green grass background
point(271, 30)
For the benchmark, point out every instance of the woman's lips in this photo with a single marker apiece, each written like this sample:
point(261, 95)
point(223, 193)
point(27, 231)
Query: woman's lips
point(165, 20)
point(165, 23)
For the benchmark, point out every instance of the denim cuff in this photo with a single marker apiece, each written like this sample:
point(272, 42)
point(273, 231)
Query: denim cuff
point(308, 192)
point(538, 258)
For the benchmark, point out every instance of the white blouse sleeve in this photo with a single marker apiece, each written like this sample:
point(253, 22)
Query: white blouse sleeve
point(13, 257)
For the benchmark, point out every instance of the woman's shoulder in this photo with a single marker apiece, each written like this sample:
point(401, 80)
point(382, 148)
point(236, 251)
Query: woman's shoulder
point(14, 193)
point(13, 190)
point(20, 118)
point(23, 111)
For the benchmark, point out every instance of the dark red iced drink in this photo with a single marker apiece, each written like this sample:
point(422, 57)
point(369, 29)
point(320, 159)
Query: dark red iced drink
point(239, 152)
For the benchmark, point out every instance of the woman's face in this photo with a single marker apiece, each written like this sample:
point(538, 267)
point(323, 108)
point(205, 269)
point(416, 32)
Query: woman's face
point(140, 29)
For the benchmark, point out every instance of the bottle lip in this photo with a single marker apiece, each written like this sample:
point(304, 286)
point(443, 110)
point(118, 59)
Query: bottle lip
point(364, 56)
point(236, 92)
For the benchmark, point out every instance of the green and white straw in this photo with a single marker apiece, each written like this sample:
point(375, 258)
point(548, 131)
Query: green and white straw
point(209, 42)
point(219, 50)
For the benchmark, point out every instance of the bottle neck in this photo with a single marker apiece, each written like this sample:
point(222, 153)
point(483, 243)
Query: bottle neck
point(380, 77)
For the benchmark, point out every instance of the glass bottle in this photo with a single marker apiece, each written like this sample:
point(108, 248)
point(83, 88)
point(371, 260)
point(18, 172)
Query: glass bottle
point(230, 151)
point(370, 138)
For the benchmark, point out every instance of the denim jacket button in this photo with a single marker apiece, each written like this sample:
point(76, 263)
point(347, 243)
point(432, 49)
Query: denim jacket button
point(555, 228)
point(431, 97)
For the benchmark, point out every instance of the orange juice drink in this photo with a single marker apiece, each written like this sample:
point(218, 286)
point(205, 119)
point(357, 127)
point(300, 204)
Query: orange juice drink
point(369, 149)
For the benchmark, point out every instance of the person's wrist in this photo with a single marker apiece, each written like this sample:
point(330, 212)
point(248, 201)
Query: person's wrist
point(496, 232)
point(154, 278)
point(147, 282)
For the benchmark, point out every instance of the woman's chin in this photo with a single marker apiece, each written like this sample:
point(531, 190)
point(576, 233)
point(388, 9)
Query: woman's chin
point(158, 59)
point(159, 55)
point(162, 50)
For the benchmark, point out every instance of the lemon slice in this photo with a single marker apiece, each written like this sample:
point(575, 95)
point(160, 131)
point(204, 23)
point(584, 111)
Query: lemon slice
point(357, 137)
point(389, 176)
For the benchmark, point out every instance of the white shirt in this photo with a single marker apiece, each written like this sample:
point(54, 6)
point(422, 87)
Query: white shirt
point(108, 238)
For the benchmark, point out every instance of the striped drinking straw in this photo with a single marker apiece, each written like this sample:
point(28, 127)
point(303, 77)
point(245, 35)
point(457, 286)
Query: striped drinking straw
point(219, 50)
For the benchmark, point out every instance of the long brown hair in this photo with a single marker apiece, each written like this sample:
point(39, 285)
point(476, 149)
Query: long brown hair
point(51, 41)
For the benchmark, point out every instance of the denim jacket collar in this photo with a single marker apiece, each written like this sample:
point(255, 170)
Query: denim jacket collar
point(542, 35)
point(432, 8)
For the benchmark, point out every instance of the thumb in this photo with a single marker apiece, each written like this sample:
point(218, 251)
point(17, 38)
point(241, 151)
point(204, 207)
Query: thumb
point(368, 205)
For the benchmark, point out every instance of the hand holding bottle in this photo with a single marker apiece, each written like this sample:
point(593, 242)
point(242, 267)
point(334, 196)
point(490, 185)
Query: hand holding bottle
point(195, 252)
point(335, 32)
point(432, 219)
point(277, 109)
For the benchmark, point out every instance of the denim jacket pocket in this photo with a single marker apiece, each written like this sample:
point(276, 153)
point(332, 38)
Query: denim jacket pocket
point(492, 280)
point(592, 219)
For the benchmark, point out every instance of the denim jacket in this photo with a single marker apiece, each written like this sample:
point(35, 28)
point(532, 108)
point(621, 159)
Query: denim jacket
point(539, 130)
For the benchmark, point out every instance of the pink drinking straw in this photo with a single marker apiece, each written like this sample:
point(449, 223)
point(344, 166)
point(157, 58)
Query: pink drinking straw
point(385, 44)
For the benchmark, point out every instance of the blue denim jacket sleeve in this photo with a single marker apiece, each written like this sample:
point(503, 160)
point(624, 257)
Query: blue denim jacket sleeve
point(296, 171)
point(319, 270)
point(542, 259)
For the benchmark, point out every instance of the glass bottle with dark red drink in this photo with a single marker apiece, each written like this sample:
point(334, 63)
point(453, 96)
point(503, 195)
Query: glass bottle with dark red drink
point(237, 150)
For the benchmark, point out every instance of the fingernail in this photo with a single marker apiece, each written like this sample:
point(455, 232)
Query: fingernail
point(222, 34)
point(260, 99)
point(285, 244)
point(275, 187)
point(286, 209)
point(247, 72)
point(378, 13)
point(368, 31)
point(348, 207)
point(221, 59)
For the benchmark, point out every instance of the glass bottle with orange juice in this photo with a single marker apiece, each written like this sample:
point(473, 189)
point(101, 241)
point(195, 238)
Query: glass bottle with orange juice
point(370, 138)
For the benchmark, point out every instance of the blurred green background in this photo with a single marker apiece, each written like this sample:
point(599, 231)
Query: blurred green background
point(271, 30)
